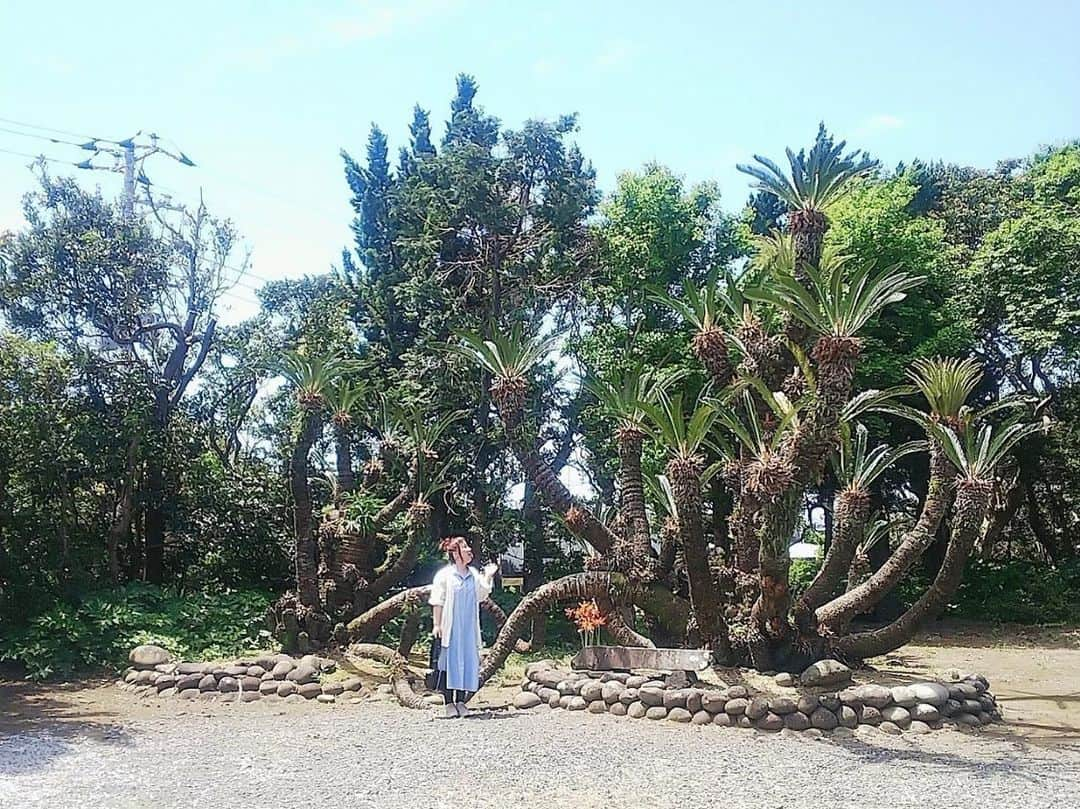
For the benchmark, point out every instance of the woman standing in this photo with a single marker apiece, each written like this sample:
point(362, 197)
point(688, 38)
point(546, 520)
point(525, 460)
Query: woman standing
point(456, 593)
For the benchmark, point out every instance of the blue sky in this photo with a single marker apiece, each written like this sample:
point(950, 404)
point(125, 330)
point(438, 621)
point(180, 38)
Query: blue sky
point(263, 95)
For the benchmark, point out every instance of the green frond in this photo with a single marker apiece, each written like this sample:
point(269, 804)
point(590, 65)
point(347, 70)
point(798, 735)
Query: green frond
point(505, 355)
point(946, 383)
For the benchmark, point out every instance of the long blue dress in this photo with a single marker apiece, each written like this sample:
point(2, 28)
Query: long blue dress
point(461, 659)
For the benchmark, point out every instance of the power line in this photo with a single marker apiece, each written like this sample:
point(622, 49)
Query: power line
point(26, 125)
point(40, 157)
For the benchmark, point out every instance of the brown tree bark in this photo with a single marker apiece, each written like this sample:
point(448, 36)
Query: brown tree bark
point(838, 613)
point(972, 501)
point(307, 582)
point(632, 497)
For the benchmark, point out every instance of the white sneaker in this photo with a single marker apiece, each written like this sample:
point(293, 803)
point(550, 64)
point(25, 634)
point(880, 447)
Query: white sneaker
point(463, 710)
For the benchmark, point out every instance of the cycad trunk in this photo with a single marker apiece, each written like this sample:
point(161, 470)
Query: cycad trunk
point(705, 601)
point(769, 614)
point(851, 511)
point(838, 613)
point(307, 582)
point(972, 501)
point(632, 495)
point(346, 478)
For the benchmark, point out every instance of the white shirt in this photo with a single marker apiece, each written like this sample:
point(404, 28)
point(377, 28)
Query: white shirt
point(442, 595)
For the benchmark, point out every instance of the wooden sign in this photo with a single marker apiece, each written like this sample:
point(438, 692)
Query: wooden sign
point(630, 658)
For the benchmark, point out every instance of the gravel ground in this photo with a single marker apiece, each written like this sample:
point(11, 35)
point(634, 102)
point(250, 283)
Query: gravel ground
point(379, 755)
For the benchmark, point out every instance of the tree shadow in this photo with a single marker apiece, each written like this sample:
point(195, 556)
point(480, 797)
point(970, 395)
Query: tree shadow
point(40, 723)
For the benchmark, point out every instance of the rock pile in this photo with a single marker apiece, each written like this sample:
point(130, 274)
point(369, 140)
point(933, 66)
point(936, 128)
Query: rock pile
point(917, 708)
point(152, 671)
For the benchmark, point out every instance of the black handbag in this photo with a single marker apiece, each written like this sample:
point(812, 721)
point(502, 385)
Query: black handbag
point(434, 677)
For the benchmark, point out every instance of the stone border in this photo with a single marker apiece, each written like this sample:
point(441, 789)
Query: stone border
point(917, 708)
point(278, 675)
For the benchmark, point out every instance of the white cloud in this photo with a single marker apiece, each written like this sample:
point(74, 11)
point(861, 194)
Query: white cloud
point(877, 124)
point(374, 20)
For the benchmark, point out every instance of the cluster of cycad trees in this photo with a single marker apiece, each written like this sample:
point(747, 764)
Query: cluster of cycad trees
point(779, 345)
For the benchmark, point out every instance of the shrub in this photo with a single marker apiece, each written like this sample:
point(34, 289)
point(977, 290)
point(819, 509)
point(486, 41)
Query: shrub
point(100, 630)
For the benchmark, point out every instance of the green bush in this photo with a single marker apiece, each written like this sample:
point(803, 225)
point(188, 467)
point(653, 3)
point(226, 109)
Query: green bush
point(800, 575)
point(101, 629)
point(1022, 591)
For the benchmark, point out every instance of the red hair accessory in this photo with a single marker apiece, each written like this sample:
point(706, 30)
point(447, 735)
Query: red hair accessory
point(448, 544)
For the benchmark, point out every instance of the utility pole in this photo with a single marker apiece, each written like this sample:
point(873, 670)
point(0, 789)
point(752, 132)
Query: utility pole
point(129, 177)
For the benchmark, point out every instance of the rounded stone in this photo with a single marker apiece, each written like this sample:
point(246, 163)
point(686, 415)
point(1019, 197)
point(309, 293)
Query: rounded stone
point(701, 718)
point(757, 708)
point(984, 718)
point(167, 692)
point(352, 684)
point(743, 721)
point(869, 715)
point(294, 698)
point(256, 671)
point(636, 710)
point(842, 733)
point(568, 688)
point(654, 684)
point(164, 681)
point(189, 693)
point(823, 718)
point(657, 712)
point(813, 733)
point(189, 668)
point(962, 691)
point(333, 689)
point(526, 700)
point(282, 668)
point(236, 670)
point(249, 683)
point(309, 690)
point(636, 681)
point(628, 696)
point(918, 727)
point(326, 699)
point(268, 687)
point(554, 699)
point(950, 707)
point(680, 715)
point(897, 715)
point(830, 702)
point(614, 677)
point(877, 696)
point(797, 721)
point(847, 716)
point(825, 673)
point(617, 709)
point(771, 722)
point(903, 696)
point(592, 690)
point(971, 706)
point(925, 713)
point(890, 727)
point(737, 692)
point(611, 690)
point(131, 677)
point(228, 684)
point(549, 678)
point(736, 707)
point(286, 688)
point(302, 674)
point(987, 702)
point(785, 679)
point(930, 693)
point(208, 682)
point(783, 705)
point(651, 696)
point(576, 703)
point(250, 696)
point(807, 703)
point(148, 655)
point(967, 719)
point(675, 699)
point(713, 701)
point(723, 720)
point(598, 706)
point(850, 696)
point(693, 700)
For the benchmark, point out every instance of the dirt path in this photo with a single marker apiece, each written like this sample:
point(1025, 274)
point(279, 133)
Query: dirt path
point(93, 745)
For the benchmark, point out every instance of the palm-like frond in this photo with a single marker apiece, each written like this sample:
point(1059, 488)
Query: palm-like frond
point(345, 399)
point(682, 433)
point(816, 179)
point(945, 382)
point(622, 400)
point(706, 307)
point(977, 453)
point(313, 374)
point(838, 302)
point(747, 427)
point(858, 465)
point(662, 496)
point(505, 355)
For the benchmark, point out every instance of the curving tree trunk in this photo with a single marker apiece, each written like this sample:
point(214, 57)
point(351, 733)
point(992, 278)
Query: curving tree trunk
point(972, 503)
point(346, 478)
point(851, 511)
point(577, 586)
point(838, 613)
